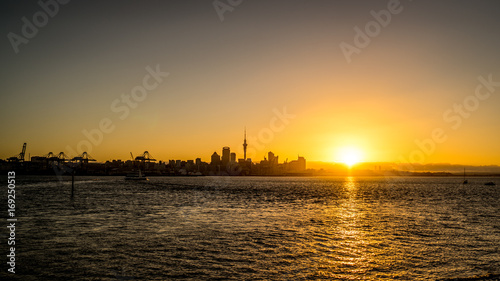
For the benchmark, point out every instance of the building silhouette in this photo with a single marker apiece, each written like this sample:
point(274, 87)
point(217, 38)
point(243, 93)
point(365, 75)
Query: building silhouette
point(226, 155)
point(298, 165)
point(215, 159)
point(273, 160)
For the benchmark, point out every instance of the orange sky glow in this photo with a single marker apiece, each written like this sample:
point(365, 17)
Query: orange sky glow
point(425, 89)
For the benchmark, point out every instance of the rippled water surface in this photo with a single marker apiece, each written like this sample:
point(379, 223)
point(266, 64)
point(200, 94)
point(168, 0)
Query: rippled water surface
point(242, 228)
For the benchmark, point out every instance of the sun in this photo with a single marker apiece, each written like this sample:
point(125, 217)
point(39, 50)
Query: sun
point(349, 155)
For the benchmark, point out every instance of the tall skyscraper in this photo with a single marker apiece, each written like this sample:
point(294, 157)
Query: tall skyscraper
point(215, 159)
point(226, 155)
point(245, 145)
point(273, 160)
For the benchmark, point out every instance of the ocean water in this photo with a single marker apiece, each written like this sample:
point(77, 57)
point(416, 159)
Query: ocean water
point(255, 228)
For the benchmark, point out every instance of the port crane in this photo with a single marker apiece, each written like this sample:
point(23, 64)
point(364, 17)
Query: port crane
point(145, 157)
point(61, 157)
point(84, 158)
point(19, 157)
point(143, 161)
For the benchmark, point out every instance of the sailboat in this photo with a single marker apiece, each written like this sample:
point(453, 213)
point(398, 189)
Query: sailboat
point(465, 181)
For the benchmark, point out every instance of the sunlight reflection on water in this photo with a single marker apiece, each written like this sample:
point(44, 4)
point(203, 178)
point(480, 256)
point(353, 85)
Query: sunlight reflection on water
point(259, 228)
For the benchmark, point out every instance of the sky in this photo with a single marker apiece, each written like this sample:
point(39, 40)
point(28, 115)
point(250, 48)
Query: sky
point(388, 81)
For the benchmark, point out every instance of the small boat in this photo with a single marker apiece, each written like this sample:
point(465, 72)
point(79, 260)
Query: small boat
point(489, 183)
point(136, 176)
point(465, 181)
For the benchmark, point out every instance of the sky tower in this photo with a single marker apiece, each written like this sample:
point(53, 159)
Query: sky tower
point(245, 145)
